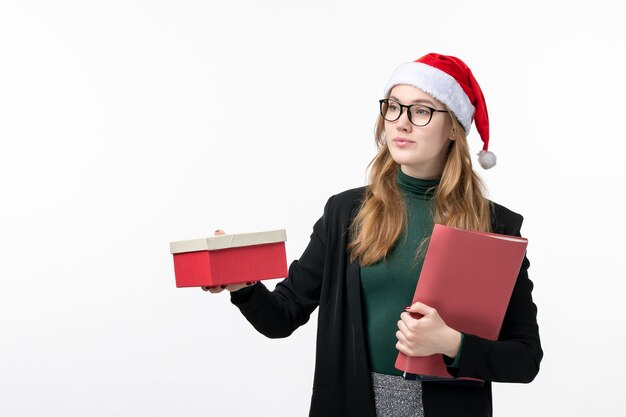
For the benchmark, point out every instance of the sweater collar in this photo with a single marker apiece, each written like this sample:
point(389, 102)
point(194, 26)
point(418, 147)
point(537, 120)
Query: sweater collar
point(422, 189)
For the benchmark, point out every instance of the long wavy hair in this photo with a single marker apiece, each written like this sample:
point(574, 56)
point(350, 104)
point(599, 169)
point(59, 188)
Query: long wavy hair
point(459, 200)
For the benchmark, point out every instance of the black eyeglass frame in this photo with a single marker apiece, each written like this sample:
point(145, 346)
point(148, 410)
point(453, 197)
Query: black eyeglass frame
point(408, 109)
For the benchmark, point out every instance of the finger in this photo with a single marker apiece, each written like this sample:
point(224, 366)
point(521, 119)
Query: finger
point(230, 287)
point(409, 336)
point(219, 232)
point(410, 319)
point(421, 308)
point(402, 338)
point(403, 348)
point(403, 327)
point(216, 290)
point(234, 287)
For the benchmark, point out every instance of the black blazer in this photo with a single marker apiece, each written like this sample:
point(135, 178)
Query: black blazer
point(325, 277)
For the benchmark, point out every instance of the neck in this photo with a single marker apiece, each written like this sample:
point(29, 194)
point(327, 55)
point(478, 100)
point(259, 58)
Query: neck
point(424, 174)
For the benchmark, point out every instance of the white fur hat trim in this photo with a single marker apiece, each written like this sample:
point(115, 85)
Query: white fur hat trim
point(442, 86)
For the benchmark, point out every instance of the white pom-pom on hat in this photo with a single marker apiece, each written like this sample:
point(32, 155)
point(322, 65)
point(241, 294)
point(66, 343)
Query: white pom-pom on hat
point(486, 159)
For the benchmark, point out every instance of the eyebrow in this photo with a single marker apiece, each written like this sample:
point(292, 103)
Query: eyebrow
point(418, 101)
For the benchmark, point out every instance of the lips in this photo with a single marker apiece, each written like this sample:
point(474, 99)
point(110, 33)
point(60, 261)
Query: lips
point(402, 141)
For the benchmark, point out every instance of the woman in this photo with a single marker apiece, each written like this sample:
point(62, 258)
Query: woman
point(365, 254)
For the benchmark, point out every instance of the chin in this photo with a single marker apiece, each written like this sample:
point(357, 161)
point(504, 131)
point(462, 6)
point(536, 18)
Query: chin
point(400, 160)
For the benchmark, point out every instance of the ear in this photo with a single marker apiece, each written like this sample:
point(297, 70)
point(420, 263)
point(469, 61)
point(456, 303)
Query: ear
point(452, 134)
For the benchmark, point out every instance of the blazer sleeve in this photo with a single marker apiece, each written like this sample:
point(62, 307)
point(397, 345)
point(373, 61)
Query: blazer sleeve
point(516, 355)
point(278, 313)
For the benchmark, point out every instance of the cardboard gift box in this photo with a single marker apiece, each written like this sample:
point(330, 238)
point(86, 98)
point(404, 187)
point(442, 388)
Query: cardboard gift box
point(230, 259)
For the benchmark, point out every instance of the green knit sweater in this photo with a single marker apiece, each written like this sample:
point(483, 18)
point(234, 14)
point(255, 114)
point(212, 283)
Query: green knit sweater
point(388, 286)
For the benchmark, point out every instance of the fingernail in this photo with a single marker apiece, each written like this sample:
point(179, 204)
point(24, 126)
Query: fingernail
point(407, 308)
point(219, 231)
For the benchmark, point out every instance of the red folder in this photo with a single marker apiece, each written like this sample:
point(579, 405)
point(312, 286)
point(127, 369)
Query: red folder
point(468, 276)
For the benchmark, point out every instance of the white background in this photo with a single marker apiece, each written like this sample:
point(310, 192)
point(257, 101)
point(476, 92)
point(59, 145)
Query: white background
point(125, 125)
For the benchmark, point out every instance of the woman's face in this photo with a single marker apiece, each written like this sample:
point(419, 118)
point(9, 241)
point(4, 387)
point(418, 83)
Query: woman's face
point(420, 151)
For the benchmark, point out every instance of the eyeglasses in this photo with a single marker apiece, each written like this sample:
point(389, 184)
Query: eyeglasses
point(419, 114)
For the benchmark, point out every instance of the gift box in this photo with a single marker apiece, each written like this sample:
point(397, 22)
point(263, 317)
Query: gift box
point(230, 259)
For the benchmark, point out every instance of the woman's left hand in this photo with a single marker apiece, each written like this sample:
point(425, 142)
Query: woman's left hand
point(427, 335)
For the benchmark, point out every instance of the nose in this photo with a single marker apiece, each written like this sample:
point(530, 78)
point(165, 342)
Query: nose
point(403, 122)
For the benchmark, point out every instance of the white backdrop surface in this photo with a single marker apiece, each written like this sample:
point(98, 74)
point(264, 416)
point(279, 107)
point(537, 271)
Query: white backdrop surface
point(128, 124)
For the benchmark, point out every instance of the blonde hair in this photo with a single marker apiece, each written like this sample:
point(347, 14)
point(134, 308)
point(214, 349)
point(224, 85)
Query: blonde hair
point(459, 199)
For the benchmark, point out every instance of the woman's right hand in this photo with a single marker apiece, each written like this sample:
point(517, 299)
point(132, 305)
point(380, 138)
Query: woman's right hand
point(230, 287)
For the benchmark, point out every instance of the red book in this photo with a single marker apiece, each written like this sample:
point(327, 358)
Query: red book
point(468, 276)
point(230, 259)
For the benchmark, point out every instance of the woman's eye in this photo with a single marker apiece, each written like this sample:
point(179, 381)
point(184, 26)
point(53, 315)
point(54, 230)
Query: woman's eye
point(393, 107)
point(420, 111)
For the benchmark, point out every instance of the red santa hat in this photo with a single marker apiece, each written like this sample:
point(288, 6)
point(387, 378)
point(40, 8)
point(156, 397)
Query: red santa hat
point(451, 82)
